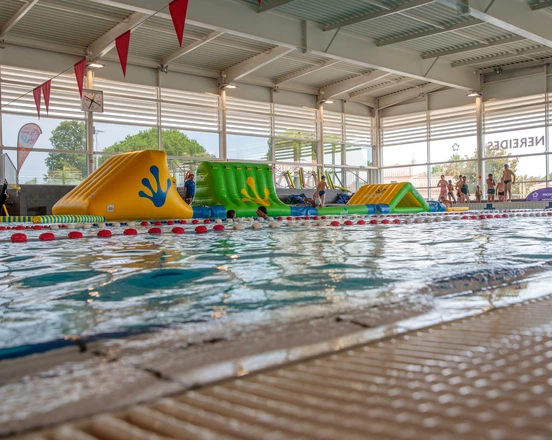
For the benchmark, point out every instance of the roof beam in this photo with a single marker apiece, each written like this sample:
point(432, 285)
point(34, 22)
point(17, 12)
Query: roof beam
point(546, 4)
point(239, 19)
point(106, 42)
point(489, 43)
point(510, 15)
point(248, 66)
point(17, 17)
point(273, 4)
point(428, 33)
point(190, 47)
point(406, 95)
point(351, 84)
point(306, 71)
point(379, 87)
point(382, 13)
point(514, 53)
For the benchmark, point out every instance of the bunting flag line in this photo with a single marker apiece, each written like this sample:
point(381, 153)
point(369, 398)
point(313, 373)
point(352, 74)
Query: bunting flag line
point(46, 88)
point(122, 42)
point(178, 10)
point(37, 93)
point(79, 74)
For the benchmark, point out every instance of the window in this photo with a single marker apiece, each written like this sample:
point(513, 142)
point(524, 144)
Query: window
point(248, 148)
point(404, 139)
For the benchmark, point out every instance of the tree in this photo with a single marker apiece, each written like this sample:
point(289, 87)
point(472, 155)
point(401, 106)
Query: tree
point(68, 135)
point(71, 135)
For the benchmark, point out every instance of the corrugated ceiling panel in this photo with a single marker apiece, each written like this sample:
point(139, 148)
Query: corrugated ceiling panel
point(322, 77)
point(61, 27)
point(147, 43)
point(86, 5)
point(8, 10)
point(280, 67)
point(490, 51)
point(214, 56)
point(514, 59)
point(257, 46)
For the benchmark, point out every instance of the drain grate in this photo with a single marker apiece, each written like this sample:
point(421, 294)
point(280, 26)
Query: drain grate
point(488, 376)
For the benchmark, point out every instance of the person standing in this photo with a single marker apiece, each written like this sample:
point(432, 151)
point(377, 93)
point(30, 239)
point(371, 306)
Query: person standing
point(3, 196)
point(459, 189)
point(450, 188)
point(500, 189)
point(442, 185)
point(465, 190)
point(509, 180)
point(478, 194)
point(321, 190)
point(189, 189)
point(491, 185)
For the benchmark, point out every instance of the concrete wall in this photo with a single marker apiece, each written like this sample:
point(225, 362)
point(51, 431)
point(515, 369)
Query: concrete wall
point(36, 199)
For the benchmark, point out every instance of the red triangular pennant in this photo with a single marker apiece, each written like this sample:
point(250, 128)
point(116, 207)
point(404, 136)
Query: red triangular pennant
point(259, 1)
point(178, 10)
point(46, 88)
point(122, 42)
point(79, 74)
point(37, 93)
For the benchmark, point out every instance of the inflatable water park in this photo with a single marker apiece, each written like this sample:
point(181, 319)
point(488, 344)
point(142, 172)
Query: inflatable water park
point(138, 186)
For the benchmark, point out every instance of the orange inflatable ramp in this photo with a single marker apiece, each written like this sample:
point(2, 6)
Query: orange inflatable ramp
point(130, 186)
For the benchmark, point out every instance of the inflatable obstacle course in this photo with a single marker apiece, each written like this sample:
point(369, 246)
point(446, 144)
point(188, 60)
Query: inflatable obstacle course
point(134, 185)
point(398, 197)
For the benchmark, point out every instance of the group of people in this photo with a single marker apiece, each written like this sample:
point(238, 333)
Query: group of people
point(459, 192)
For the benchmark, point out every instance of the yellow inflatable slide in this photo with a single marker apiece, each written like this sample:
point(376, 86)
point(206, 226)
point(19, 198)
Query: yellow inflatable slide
point(129, 186)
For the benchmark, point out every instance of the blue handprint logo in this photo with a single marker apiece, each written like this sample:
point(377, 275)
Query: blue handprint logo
point(157, 197)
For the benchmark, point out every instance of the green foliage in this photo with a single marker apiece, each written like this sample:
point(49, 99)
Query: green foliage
point(68, 135)
point(71, 135)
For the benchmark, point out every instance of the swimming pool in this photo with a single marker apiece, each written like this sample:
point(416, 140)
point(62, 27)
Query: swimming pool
point(50, 291)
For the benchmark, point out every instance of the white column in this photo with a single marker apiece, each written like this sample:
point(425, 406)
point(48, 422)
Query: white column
point(480, 146)
point(223, 152)
point(159, 128)
point(90, 130)
point(378, 153)
point(320, 138)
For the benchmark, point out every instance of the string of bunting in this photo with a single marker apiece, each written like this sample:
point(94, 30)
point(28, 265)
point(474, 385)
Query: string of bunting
point(178, 10)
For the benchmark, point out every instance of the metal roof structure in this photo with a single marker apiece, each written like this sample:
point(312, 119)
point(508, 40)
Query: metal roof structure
point(360, 50)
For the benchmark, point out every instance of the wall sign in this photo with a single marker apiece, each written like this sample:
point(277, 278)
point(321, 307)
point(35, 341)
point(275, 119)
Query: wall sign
point(525, 142)
point(540, 195)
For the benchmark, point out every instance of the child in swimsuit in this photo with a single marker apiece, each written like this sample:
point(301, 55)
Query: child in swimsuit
point(443, 185)
point(509, 179)
point(321, 190)
point(491, 188)
point(478, 194)
point(500, 189)
point(465, 190)
point(450, 188)
point(459, 190)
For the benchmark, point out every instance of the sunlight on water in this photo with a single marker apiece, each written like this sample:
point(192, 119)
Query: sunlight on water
point(51, 290)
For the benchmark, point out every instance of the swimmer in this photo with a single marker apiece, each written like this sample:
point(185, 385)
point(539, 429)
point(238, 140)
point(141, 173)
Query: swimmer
point(443, 185)
point(509, 180)
point(500, 189)
point(230, 214)
point(465, 190)
point(262, 212)
point(321, 190)
point(459, 188)
point(450, 188)
point(316, 200)
point(478, 194)
point(491, 188)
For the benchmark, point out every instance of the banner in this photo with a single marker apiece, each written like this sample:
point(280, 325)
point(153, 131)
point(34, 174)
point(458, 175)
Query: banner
point(79, 73)
point(178, 10)
point(46, 88)
point(540, 195)
point(37, 93)
point(26, 139)
point(122, 42)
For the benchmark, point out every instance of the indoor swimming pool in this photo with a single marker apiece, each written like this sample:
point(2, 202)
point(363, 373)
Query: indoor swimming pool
point(111, 287)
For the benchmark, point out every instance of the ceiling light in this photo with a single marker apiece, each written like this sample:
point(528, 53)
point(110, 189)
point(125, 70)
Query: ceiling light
point(326, 101)
point(228, 86)
point(474, 94)
point(95, 65)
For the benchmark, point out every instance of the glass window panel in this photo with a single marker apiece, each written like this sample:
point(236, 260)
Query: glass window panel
point(56, 133)
point(453, 170)
point(359, 155)
point(51, 168)
point(295, 151)
point(332, 154)
point(516, 143)
point(417, 175)
point(529, 171)
point(454, 149)
point(185, 143)
point(248, 147)
point(114, 138)
point(405, 154)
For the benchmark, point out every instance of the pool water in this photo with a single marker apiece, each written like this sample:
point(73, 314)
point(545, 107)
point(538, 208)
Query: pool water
point(50, 291)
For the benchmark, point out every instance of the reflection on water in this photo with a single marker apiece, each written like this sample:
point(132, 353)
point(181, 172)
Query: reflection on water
point(51, 290)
